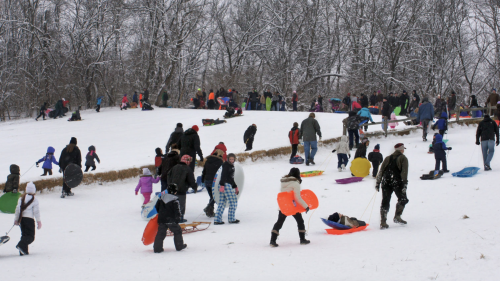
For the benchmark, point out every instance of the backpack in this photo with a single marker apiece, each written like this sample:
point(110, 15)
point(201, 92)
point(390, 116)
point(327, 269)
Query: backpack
point(353, 123)
point(297, 160)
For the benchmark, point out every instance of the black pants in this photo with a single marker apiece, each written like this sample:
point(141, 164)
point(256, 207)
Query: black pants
point(425, 127)
point(27, 233)
point(438, 164)
point(294, 150)
point(352, 134)
point(249, 143)
point(88, 167)
point(164, 185)
point(45, 171)
point(441, 132)
point(387, 190)
point(66, 189)
point(182, 203)
point(162, 233)
point(211, 104)
point(42, 113)
point(208, 185)
point(375, 168)
point(98, 108)
point(282, 218)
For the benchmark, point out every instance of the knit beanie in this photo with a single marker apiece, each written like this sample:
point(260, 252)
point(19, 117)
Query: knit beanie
point(30, 188)
point(195, 127)
point(377, 147)
point(72, 141)
point(146, 172)
point(186, 159)
point(179, 125)
point(399, 147)
point(335, 217)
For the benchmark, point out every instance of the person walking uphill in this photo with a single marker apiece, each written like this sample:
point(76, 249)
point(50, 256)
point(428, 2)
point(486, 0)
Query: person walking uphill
point(228, 190)
point(293, 136)
point(291, 182)
point(393, 176)
point(26, 211)
point(376, 158)
point(173, 158)
point(183, 177)
point(145, 185)
point(189, 144)
point(249, 135)
point(425, 115)
point(487, 130)
point(212, 165)
point(308, 130)
point(47, 160)
point(343, 150)
point(90, 159)
point(70, 155)
point(175, 136)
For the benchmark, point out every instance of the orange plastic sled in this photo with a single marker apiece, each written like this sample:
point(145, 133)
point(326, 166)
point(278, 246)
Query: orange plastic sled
point(345, 231)
point(148, 237)
point(288, 206)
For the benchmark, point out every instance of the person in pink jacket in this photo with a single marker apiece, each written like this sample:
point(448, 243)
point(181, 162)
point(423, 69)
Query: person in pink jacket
point(146, 185)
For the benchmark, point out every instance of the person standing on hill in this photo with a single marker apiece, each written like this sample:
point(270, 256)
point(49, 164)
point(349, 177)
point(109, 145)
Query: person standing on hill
point(175, 136)
point(425, 115)
point(404, 100)
point(135, 98)
point(487, 130)
point(167, 163)
point(145, 95)
point(308, 131)
point(70, 155)
point(189, 144)
point(164, 99)
point(99, 100)
point(183, 177)
point(295, 99)
point(228, 191)
point(249, 135)
point(211, 100)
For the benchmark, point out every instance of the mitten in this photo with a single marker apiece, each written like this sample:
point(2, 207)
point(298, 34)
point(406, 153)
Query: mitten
point(237, 191)
point(221, 188)
point(39, 223)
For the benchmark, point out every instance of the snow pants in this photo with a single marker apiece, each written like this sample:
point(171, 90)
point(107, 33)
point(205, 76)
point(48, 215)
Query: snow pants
point(147, 197)
point(281, 219)
point(162, 233)
point(342, 159)
point(42, 113)
point(182, 203)
point(27, 233)
point(425, 127)
point(228, 195)
point(208, 185)
point(352, 134)
point(388, 189)
point(310, 149)
point(164, 185)
point(47, 171)
point(88, 167)
point(294, 150)
point(375, 168)
point(249, 143)
point(98, 109)
point(438, 164)
point(211, 104)
point(488, 148)
point(294, 104)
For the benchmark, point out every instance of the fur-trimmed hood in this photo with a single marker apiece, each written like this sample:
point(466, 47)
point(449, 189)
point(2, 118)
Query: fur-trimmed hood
point(289, 179)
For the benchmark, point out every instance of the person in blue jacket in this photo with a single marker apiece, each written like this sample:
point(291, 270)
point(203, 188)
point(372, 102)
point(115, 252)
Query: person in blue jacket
point(365, 112)
point(440, 154)
point(99, 100)
point(47, 160)
point(442, 124)
point(425, 115)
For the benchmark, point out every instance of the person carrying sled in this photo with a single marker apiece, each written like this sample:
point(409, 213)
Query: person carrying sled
point(440, 148)
point(361, 151)
point(228, 190)
point(293, 136)
point(309, 128)
point(47, 160)
point(145, 185)
point(376, 158)
point(343, 150)
point(169, 216)
point(442, 124)
point(291, 182)
point(189, 144)
point(12, 183)
point(212, 164)
point(89, 159)
point(249, 135)
point(175, 136)
point(183, 177)
point(487, 130)
point(69, 155)
point(393, 175)
point(42, 111)
point(27, 210)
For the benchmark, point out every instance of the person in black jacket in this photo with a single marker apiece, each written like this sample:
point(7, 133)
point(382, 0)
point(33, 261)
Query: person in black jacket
point(361, 151)
point(70, 154)
point(404, 101)
point(415, 95)
point(212, 165)
point(373, 98)
point(347, 100)
point(183, 177)
point(167, 163)
point(42, 111)
point(91, 155)
point(189, 144)
point(249, 135)
point(169, 216)
point(439, 148)
point(363, 101)
point(487, 130)
point(228, 191)
point(175, 136)
point(376, 158)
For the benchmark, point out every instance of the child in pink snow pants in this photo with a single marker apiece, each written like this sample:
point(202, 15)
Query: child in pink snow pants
point(146, 185)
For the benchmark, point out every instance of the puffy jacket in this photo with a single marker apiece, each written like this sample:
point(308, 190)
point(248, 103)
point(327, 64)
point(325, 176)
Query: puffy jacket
point(386, 110)
point(168, 209)
point(190, 143)
point(365, 112)
point(295, 97)
point(249, 133)
point(375, 157)
point(182, 175)
point(343, 146)
point(169, 162)
point(124, 99)
point(439, 147)
point(442, 123)
point(425, 111)
point(347, 100)
point(211, 167)
point(487, 130)
point(222, 147)
point(146, 183)
point(361, 151)
point(404, 101)
point(12, 182)
point(293, 135)
point(174, 137)
point(48, 159)
point(363, 101)
point(32, 211)
point(453, 102)
point(227, 175)
point(493, 99)
point(70, 154)
point(309, 128)
point(99, 100)
point(59, 104)
point(353, 121)
point(289, 183)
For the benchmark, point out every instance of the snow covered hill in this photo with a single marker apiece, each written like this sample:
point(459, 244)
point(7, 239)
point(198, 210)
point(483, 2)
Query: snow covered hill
point(96, 235)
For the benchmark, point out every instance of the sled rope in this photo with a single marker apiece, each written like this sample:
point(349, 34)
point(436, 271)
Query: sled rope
point(329, 158)
point(7, 233)
point(27, 170)
point(372, 199)
point(307, 232)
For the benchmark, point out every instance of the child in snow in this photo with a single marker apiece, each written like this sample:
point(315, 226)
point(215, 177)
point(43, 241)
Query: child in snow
point(124, 102)
point(27, 209)
point(169, 216)
point(376, 158)
point(440, 154)
point(12, 184)
point(91, 155)
point(345, 220)
point(361, 151)
point(294, 136)
point(47, 160)
point(442, 124)
point(431, 148)
point(146, 185)
point(75, 116)
point(343, 150)
point(228, 191)
point(229, 112)
point(158, 160)
point(393, 124)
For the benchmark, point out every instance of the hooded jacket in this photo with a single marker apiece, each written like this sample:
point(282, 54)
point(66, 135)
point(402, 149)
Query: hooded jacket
point(361, 151)
point(48, 159)
point(169, 162)
point(211, 167)
point(309, 128)
point(168, 209)
point(91, 155)
point(182, 175)
point(343, 146)
point(487, 130)
point(386, 110)
point(289, 183)
point(12, 179)
point(190, 143)
point(146, 183)
point(222, 147)
point(425, 111)
point(32, 211)
point(174, 137)
point(439, 147)
point(442, 123)
point(70, 154)
point(375, 157)
point(365, 112)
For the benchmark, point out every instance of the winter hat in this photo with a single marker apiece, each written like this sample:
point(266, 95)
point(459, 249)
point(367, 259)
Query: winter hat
point(195, 127)
point(179, 125)
point(335, 217)
point(494, 90)
point(294, 92)
point(158, 151)
point(186, 159)
point(399, 147)
point(254, 125)
point(63, 99)
point(312, 115)
point(72, 141)
point(404, 91)
point(30, 188)
point(377, 147)
point(199, 89)
point(146, 172)
point(91, 148)
point(348, 94)
point(365, 140)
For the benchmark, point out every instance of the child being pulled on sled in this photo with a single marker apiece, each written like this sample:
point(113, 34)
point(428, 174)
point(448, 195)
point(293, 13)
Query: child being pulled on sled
point(345, 220)
point(47, 160)
point(91, 155)
point(146, 185)
point(12, 183)
point(343, 150)
point(376, 158)
point(26, 211)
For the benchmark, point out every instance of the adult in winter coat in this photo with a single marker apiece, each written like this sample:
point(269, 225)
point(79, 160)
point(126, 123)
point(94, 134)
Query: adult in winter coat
point(413, 105)
point(183, 177)
point(442, 124)
point(90, 159)
point(363, 101)
point(404, 101)
point(439, 105)
point(164, 99)
point(365, 114)
point(393, 176)
point(167, 163)
point(440, 148)
point(175, 136)
point(394, 101)
point(295, 99)
point(27, 210)
point(347, 100)
point(145, 94)
point(373, 98)
point(376, 158)
point(294, 136)
point(386, 109)
point(42, 111)
point(212, 164)
point(493, 99)
point(361, 151)
point(274, 102)
point(487, 130)
point(415, 95)
point(145, 185)
point(252, 97)
point(47, 160)
point(352, 124)
point(135, 98)
point(12, 183)
point(308, 131)
point(189, 144)
point(227, 192)
point(249, 136)
point(320, 102)
point(222, 147)
point(473, 101)
point(343, 150)
point(69, 155)
point(58, 109)
point(452, 103)
point(425, 115)
point(291, 182)
point(211, 100)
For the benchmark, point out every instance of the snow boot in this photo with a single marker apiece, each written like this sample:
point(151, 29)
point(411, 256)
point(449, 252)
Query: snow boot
point(383, 219)
point(209, 211)
point(302, 235)
point(487, 168)
point(22, 251)
point(307, 163)
point(399, 212)
point(183, 247)
point(235, 221)
point(312, 161)
point(342, 166)
point(218, 222)
point(274, 237)
point(340, 169)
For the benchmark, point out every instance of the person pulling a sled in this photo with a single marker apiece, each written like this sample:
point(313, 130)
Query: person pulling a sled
point(393, 176)
point(26, 211)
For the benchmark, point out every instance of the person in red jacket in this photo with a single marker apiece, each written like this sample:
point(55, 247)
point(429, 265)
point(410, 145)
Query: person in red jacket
point(222, 147)
point(293, 135)
point(124, 102)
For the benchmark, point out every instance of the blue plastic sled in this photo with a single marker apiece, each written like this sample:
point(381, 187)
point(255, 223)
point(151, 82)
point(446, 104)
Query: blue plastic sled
point(335, 225)
point(467, 172)
point(363, 122)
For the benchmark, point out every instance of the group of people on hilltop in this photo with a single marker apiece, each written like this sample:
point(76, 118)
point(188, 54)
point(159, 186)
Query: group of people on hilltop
point(60, 109)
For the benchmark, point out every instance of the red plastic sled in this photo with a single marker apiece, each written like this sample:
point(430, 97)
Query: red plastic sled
point(345, 231)
point(288, 206)
point(148, 237)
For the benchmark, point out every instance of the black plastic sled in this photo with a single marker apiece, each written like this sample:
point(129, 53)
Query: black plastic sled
point(73, 175)
point(431, 176)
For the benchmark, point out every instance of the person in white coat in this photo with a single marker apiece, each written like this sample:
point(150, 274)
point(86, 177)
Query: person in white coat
point(343, 150)
point(26, 211)
point(291, 182)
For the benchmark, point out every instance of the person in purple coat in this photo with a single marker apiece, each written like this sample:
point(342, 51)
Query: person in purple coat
point(146, 185)
point(47, 160)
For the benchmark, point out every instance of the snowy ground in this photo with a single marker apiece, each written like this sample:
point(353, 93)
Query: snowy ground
point(96, 234)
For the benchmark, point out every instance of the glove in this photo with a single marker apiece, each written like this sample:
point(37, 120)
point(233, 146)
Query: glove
point(201, 158)
point(349, 156)
point(16, 223)
point(136, 193)
point(449, 148)
point(14, 190)
point(221, 188)
point(377, 187)
point(60, 171)
point(307, 210)
point(39, 224)
point(37, 164)
point(478, 143)
point(333, 151)
point(237, 191)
